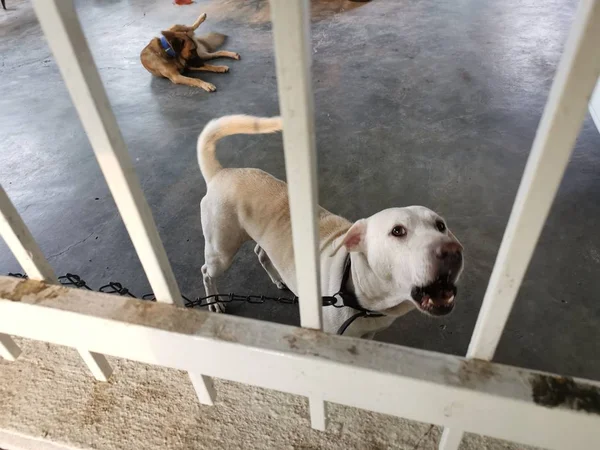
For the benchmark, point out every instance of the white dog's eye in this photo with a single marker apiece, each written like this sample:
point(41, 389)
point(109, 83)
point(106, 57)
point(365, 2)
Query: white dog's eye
point(441, 226)
point(399, 231)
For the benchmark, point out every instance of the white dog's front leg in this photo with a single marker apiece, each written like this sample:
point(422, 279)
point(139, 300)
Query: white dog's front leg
point(210, 287)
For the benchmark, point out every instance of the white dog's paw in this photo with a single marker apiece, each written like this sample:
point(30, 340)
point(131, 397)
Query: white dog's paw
point(217, 308)
point(281, 285)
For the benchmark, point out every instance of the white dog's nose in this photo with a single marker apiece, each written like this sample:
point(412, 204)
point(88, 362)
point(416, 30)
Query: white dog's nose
point(449, 252)
point(449, 255)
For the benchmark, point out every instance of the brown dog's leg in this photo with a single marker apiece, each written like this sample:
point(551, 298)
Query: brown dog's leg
point(219, 54)
point(177, 78)
point(209, 68)
point(197, 23)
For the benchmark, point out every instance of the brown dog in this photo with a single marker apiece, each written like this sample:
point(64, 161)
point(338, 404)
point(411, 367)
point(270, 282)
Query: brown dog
point(178, 50)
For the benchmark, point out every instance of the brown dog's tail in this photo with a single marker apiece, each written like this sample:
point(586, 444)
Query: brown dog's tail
point(212, 41)
point(226, 126)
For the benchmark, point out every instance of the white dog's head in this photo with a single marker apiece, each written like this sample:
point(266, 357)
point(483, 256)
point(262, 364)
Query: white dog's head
point(405, 254)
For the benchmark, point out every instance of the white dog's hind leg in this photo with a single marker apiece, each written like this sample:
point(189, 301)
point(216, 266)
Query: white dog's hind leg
point(222, 240)
point(223, 237)
point(265, 261)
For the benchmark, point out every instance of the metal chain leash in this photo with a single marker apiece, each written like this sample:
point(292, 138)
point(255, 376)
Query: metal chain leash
point(113, 287)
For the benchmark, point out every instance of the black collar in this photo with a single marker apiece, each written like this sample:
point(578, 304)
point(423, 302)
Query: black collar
point(349, 299)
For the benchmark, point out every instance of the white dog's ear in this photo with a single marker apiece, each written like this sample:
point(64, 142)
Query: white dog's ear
point(354, 240)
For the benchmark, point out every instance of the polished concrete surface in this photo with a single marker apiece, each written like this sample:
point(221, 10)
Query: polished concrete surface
point(430, 102)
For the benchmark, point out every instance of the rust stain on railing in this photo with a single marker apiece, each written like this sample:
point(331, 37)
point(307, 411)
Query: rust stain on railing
point(38, 289)
point(553, 391)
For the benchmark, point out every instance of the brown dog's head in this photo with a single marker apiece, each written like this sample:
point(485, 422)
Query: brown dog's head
point(183, 45)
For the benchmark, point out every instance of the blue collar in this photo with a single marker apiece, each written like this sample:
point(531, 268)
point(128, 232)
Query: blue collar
point(167, 47)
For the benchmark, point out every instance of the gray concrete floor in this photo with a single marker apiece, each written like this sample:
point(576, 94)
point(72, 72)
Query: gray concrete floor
point(430, 102)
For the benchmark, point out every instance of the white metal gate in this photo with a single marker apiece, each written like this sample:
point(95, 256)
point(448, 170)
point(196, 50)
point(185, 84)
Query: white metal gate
point(466, 394)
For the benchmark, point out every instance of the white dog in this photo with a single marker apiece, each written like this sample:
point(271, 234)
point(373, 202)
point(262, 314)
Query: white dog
point(382, 267)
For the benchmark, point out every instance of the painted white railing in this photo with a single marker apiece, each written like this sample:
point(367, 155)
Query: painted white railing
point(467, 394)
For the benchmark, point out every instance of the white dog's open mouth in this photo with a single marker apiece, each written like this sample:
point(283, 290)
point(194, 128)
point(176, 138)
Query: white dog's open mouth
point(436, 298)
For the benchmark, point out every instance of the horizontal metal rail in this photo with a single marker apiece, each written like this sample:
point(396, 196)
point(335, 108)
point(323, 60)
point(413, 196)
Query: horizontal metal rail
point(499, 401)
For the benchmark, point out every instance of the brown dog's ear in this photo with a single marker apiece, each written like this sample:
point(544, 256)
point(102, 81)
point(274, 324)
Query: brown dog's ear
point(175, 38)
point(354, 240)
point(174, 34)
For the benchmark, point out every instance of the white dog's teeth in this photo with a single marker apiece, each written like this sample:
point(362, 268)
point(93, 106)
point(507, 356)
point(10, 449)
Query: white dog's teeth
point(451, 300)
point(429, 302)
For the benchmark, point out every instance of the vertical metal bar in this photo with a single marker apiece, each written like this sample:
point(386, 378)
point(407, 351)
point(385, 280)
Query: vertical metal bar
point(556, 135)
point(65, 37)
point(291, 33)
point(204, 388)
point(451, 439)
point(97, 363)
point(9, 349)
point(22, 244)
point(318, 413)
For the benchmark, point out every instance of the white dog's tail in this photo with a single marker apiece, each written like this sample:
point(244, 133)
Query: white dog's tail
point(226, 126)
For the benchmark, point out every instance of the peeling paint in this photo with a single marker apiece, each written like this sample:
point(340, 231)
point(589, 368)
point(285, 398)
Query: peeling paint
point(306, 341)
point(39, 289)
point(470, 373)
point(564, 392)
point(310, 334)
point(155, 314)
point(222, 332)
point(291, 340)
